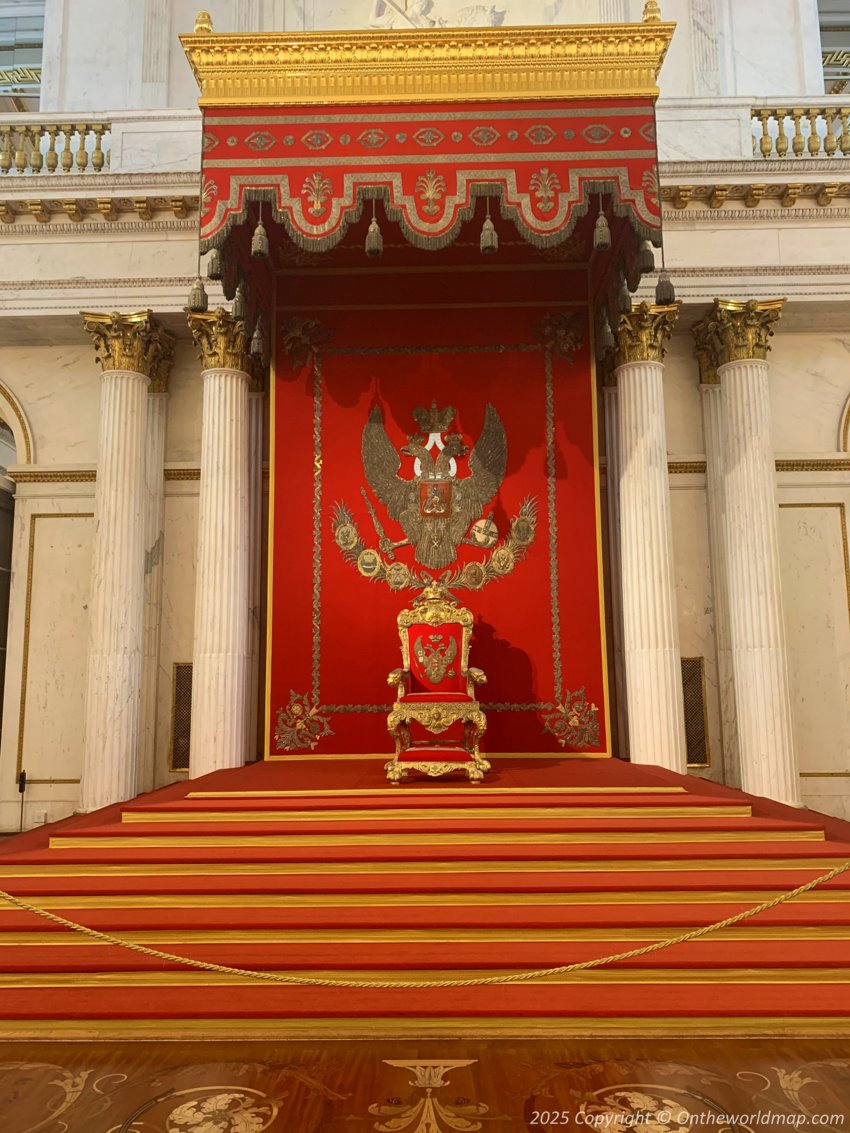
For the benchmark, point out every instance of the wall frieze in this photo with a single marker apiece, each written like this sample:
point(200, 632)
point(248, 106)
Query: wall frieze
point(94, 214)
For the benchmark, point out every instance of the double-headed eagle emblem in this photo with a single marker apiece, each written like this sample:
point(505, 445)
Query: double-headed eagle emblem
point(435, 508)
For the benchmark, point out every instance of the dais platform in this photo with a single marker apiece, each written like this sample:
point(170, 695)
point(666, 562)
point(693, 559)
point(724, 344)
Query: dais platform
point(321, 869)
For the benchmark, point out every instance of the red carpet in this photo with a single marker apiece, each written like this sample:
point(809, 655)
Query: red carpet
point(322, 869)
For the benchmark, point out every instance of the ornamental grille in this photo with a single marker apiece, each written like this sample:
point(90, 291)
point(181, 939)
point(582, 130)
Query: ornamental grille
point(181, 716)
point(696, 723)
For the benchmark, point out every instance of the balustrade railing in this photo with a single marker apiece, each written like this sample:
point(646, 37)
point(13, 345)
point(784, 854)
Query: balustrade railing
point(811, 131)
point(33, 145)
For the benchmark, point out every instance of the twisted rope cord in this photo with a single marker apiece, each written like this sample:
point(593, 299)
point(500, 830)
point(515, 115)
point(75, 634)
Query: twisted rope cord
point(388, 985)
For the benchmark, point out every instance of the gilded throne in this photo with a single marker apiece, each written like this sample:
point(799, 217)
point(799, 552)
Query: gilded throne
point(436, 721)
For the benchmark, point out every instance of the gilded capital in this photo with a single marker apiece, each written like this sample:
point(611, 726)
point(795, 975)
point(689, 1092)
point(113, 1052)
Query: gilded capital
point(706, 352)
point(733, 331)
point(644, 332)
point(223, 340)
point(133, 342)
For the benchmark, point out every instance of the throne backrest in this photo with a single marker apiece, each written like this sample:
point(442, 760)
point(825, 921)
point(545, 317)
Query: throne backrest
point(435, 637)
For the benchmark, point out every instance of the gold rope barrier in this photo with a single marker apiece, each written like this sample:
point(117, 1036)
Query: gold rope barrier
point(387, 985)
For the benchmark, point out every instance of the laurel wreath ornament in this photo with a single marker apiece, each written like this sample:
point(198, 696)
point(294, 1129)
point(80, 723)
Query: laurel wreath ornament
point(473, 575)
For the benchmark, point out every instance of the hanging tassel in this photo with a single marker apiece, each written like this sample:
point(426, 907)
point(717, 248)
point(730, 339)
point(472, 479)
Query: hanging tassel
point(374, 239)
point(260, 239)
point(665, 292)
point(646, 259)
point(607, 342)
point(198, 301)
point(624, 299)
point(214, 265)
point(257, 341)
point(601, 231)
point(489, 242)
point(239, 307)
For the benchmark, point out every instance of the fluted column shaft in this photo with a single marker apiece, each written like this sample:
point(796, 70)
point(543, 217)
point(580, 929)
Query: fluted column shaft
point(256, 404)
point(114, 665)
point(757, 628)
point(612, 481)
point(220, 674)
point(220, 669)
point(712, 417)
point(733, 340)
point(154, 522)
point(130, 348)
point(650, 619)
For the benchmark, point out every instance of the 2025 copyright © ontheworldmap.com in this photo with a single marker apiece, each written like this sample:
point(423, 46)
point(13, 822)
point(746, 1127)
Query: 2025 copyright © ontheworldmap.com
point(673, 1120)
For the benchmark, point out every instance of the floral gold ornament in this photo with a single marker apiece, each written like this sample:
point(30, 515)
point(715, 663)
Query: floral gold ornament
point(317, 188)
point(299, 724)
point(544, 184)
point(561, 333)
point(575, 723)
point(302, 339)
point(428, 1113)
point(430, 188)
point(223, 341)
point(235, 1111)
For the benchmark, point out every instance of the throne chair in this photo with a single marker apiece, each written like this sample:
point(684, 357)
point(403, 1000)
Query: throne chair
point(436, 721)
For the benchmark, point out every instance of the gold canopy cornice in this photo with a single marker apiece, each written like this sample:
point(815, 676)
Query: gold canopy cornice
point(428, 65)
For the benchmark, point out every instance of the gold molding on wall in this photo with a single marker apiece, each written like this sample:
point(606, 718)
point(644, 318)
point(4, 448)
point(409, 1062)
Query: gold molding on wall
point(22, 710)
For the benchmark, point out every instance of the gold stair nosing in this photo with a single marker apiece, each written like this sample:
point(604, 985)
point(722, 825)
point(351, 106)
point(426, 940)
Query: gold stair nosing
point(479, 838)
point(401, 900)
point(375, 868)
point(374, 936)
point(423, 814)
point(401, 791)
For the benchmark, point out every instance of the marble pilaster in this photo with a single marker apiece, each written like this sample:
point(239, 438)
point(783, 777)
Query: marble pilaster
point(130, 348)
point(650, 618)
point(256, 407)
point(154, 524)
point(612, 491)
point(220, 675)
point(712, 418)
point(737, 335)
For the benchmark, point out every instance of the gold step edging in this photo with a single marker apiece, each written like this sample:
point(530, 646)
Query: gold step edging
point(487, 935)
point(299, 869)
point(452, 1027)
point(432, 814)
point(482, 838)
point(399, 900)
point(412, 976)
point(401, 791)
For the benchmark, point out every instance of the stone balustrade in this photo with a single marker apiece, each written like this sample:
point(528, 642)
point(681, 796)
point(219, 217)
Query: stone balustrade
point(802, 131)
point(30, 144)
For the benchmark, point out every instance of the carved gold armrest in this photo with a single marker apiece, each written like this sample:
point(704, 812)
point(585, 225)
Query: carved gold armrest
point(478, 676)
point(398, 678)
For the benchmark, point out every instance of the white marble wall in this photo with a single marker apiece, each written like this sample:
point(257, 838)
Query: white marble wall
point(721, 47)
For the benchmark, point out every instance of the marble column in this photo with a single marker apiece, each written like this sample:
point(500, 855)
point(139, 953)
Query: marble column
point(130, 348)
point(256, 408)
point(650, 618)
point(220, 673)
point(154, 535)
point(712, 421)
point(737, 335)
point(612, 492)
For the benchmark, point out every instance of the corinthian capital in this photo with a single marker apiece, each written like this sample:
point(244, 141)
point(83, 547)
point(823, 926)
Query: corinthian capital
point(733, 331)
point(223, 340)
point(644, 332)
point(133, 342)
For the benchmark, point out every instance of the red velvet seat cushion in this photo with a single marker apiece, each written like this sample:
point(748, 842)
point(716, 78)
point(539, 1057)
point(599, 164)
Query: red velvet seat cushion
point(436, 698)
